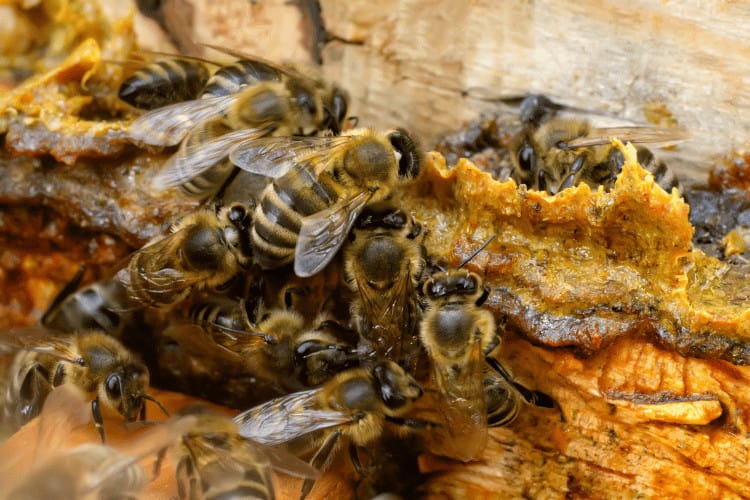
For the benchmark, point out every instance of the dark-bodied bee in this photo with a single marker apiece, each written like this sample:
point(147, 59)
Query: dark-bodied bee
point(205, 249)
point(242, 101)
point(357, 404)
point(321, 184)
point(383, 262)
point(457, 334)
point(166, 82)
point(103, 305)
point(280, 349)
point(215, 462)
point(553, 154)
point(505, 397)
point(94, 362)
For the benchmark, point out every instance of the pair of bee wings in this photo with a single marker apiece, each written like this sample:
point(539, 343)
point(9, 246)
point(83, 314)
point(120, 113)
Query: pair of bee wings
point(249, 150)
point(41, 340)
point(247, 454)
point(461, 411)
point(387, 310)
point(635, 134)
point(288, 417)
point(163, 278)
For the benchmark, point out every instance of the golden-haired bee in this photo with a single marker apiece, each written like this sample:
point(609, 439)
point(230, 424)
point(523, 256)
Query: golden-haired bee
point(214, 461)
point(205, 249)
point(357, 404)
point(321, 184)
point(383, 262)
point(166, 82)
point(457, 334)
point(243, 101)
point(553, 154)
point(95, 362)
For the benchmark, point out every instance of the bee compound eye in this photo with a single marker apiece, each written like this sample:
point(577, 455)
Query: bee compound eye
point(113, 386)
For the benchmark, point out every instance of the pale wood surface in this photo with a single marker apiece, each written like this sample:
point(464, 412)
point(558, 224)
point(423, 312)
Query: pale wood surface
point(412, 62)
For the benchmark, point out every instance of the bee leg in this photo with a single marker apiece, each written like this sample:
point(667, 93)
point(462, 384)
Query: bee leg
point(532, 397)
point(34, 391)
point(98, 421)
point(188, 482)
point(412, 423)
point(576, 169)
point(354, 456)
point(321, 460)
point(157, 463)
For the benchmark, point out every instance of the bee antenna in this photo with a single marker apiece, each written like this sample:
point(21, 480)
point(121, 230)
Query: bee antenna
point(477, 251)
point(157, 403)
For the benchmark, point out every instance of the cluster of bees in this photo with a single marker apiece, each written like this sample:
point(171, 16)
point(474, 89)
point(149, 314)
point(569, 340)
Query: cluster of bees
point(303, 271)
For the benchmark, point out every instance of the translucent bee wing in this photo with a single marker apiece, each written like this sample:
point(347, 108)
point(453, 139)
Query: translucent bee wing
point(600, 136)
point(462, 434)
point(275, 156)
point(168, 125)
point(323, 233)
point(286, 418)
point(42, 340)
point(285, 462)
point(192, 161)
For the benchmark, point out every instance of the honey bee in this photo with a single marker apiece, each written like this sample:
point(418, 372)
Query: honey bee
point(280, 349)
point(102, 305)
point(321, 184)
point(457, 334)
point(553, 154)
point(88, 471)
point(205, 249)
point(505, 397)
point(357, 404)
point(241, 102)
point(95, 362)
point(165, 82)
point(214, 461)
point(383, 262)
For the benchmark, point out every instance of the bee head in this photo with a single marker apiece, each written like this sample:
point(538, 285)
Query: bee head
point(452, 283)
point(124, 389)
point(397, 388)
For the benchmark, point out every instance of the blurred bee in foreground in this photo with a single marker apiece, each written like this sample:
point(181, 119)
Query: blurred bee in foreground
point(321, 185)
point(166, 82)
point(357, 404)
point(553, 154)
point(103, 305)
point(242, 101)
point(49, 469)
point(457, 334)
point(383, 262)
point(215, 462)
point(205, 250)
point(95, 362)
